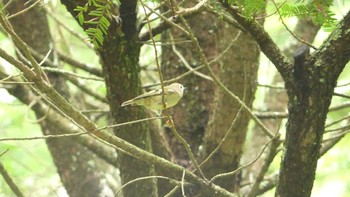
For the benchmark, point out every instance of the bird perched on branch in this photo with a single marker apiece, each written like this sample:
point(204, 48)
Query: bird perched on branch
point(153, 100)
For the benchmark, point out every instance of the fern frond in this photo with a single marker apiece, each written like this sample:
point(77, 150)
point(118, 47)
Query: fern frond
point(318, 12)
point(100, 10)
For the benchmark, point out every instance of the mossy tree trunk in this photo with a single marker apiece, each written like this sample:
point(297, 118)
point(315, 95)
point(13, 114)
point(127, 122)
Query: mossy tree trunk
point(71, 158)
point(120, 60)
point(276, 99)
point(310, 83)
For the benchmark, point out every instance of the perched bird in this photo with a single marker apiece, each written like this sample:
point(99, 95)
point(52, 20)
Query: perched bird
point(153, 100)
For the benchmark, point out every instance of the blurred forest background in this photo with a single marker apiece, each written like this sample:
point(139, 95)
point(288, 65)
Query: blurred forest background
point(111, 51)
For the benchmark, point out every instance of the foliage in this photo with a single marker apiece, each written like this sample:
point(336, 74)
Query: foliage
point(100, 11)
point(95, 17)
point(318, 12)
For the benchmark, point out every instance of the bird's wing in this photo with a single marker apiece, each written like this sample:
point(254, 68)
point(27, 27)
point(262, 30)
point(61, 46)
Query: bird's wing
point(154, 93)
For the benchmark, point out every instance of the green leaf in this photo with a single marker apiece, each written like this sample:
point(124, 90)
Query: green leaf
point(81, 18)
point(101, 11)
point(91, 22)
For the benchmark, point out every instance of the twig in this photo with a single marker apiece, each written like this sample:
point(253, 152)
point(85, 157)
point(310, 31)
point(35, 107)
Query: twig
point(46, 57)
point(155, 53)
point(68, 75)
point(290, 31)
point(79, 65)
point(223, 16)
point(327, 144)
point(197, 8)
point(24, 10)
point(202, 66)
point(74, 33)
point(170, 120)
point(4, 152)
point(268, 160)
point(266, 44)
point(165, 24)
point(17, 82)
point(217, 80)
point(43, 137)
point(144, 21)
point(7, 4)
point(341, 95)
point(172, 181)
point(268, 183)
point(337, 121)
point(80, 133)
point(132, 122)
point(271, 86)
point(271, 115)
point(187, 65)
point(229, 130)
point(172, 192)
point(68, 60)
point(246, 165)
point(10, 182)
point(74, 115)
point(21, 45)
point(166, 20)
point(338, 129)
point(183, 184)
point(66, 72)
point(279, 115)
point(148, 141)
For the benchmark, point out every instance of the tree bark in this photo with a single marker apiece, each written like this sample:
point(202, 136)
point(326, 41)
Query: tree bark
point(71, 159)
point(309, 83)
point(238, 71)
point(119, 57)
point(205, 114)
point(276, 100)
point(310, 92)
point(192, 113)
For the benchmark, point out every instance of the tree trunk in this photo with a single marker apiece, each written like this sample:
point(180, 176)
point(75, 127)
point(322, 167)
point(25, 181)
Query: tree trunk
point(192, 113)
point(238, 71)
point(276, 100)
point(310, 90)
point(120, 59)
point(70, 158)
point(209, 112)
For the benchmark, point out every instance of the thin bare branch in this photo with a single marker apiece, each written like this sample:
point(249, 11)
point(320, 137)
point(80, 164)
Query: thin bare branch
point(268, 160)
point(24, 10)
point(77, 64)
point(170, 120)
point(276, 137)
point(10, 181)
point(267, 45)
point(84, 39)
point(66, 72)
point(172, 181)
point(42, 137)
point(218, 82)
point(197, 8)
point(290, 31)
point(187, 65)
point(21, 45)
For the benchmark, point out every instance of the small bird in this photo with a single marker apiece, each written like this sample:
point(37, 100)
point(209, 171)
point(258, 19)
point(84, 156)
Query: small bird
point(153, 100)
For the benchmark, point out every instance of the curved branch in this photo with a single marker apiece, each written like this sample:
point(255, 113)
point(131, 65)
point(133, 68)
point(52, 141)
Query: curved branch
point(335, 51)
point(265, 42)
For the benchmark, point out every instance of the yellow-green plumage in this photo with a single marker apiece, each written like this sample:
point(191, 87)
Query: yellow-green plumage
point(153, 100)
